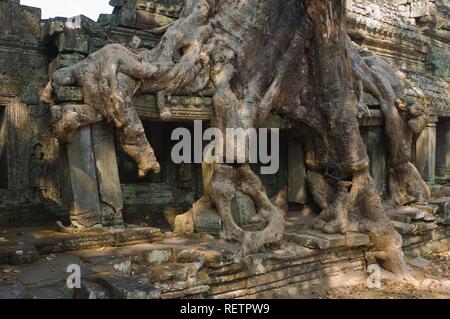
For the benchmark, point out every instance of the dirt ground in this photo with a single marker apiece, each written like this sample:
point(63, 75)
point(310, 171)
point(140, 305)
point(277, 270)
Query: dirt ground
point(433, 283)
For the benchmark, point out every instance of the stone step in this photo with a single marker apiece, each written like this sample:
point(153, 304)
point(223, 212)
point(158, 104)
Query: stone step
point(430, 208)
point(51, 242)
point(319, 240)
point(129, 287)
point(444, 207)
point(414, 213)
point(399, 217)
point(414, 228)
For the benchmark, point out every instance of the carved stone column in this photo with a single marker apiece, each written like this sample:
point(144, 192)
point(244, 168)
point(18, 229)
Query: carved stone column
point(447, 147)
point(95, 193)
point(297, 186)
point(426, 152)
point(441, 149)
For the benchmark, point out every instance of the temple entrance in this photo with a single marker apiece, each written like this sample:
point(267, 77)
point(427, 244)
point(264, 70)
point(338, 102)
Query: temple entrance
point(3, 149)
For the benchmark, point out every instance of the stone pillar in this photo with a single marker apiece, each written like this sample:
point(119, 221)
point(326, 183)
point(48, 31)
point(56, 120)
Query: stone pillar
point(110, 192)
point(447, 148)
point(85, 207)
point(441, 149)
point(377, 150)
point(297, 184)
point(426, 152)
point(94, 178)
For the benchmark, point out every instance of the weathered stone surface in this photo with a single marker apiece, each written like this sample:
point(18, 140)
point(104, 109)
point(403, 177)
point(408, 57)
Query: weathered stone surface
point(121, 287)
point(23, 254)
point(61, 61)
point(297, 186)
point(68, 94)
point(46, 273)
point(309, 241)
point(108, 180)
point(426, 151)
point(135, 235)
point(243, 209)
point(419, 262)
point(14, 291)
point(374, 137)
point(91, 290)
point(353, 239)
point(158, 257)
point(335, 240)
point(208, 222)
point(85, 209)
point(73, 41)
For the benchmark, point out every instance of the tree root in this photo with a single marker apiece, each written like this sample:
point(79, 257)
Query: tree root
point(226, 181)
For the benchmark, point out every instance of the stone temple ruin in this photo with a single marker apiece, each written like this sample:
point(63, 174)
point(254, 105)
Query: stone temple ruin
point(86, 175)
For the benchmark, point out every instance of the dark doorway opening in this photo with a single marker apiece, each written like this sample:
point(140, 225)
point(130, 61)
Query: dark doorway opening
point(3, 149)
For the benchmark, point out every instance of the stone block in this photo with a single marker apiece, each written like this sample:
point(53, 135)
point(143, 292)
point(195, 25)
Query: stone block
point(91, 290)
point(158, 257)
point(148, 20)
point(20, 21)
point(64, 60)
point(335, 240)
point(73, 41)
point(107, 174)
point(127, 236)
point(243, 209)
point(85, 208)
point(23, 254)
point(399, 217)
point(353, 239)
point(68, 94)
point(202, 218)
point(127, 287)
point(443, 207)
point(419, 262)
point(309, 241)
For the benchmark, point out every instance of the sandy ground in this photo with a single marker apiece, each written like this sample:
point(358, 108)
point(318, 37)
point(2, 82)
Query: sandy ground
point(434, 283)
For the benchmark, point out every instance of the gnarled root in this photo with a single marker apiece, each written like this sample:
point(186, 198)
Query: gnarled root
point(226, 181)
point(68, 119)
point(143, 154)
point(362, 195)
point(386, 240)
point(334, 217)
point(407, 186)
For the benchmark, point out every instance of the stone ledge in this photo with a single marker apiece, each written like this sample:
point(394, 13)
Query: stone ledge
point(45, 242)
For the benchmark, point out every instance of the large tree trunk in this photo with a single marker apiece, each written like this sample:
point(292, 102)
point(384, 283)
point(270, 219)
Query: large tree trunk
point(286, 56)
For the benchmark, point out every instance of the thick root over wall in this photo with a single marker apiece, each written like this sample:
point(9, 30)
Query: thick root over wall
point(262, 56)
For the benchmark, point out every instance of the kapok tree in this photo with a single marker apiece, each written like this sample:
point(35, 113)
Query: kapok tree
point(289, 57)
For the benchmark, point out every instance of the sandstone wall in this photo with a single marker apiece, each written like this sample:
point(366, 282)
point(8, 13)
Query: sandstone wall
point(412, 34)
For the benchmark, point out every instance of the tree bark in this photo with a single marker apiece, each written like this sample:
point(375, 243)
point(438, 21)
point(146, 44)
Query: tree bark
point(262, 56)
